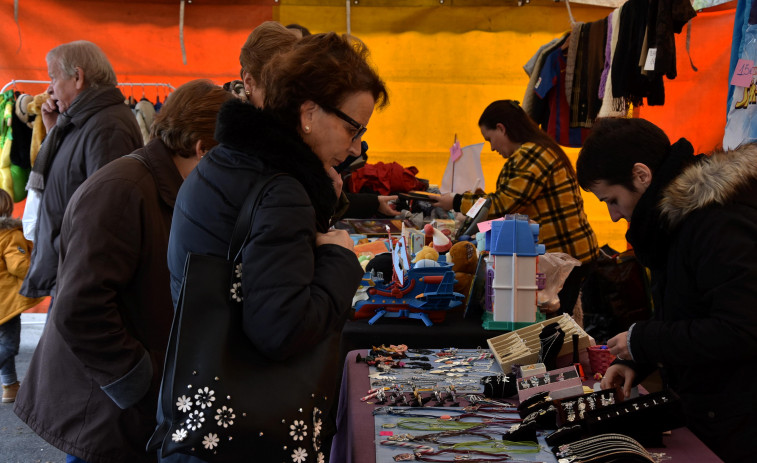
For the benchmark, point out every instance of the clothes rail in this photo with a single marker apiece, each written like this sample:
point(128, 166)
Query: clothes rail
point(14, 82)
point(125, 84)
point(146, 84)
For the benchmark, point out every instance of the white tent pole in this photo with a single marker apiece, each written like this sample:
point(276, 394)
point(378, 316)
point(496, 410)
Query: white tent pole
point(348, 17)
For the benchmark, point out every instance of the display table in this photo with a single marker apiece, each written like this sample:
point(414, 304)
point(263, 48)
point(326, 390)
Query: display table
point(355, 440)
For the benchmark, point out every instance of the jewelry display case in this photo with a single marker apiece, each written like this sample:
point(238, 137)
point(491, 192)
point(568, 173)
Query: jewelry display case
point(522, 345)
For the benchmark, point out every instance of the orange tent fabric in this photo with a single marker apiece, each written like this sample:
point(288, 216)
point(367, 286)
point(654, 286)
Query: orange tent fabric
point(695, 101)
point(141, 39)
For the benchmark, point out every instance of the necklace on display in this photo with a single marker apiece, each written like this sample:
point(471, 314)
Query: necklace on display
point(459, 455)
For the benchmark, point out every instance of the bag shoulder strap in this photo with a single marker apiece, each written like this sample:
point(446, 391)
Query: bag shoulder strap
point(244, 220)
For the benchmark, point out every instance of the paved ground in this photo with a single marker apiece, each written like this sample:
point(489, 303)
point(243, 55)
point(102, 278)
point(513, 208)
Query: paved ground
point(18, 443)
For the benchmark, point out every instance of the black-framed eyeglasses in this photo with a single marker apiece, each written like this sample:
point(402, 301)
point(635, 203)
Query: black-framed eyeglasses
point(357, 125)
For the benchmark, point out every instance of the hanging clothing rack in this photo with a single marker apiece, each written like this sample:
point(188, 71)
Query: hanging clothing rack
point(148, 84)
point(14, 82)
point(124, 84)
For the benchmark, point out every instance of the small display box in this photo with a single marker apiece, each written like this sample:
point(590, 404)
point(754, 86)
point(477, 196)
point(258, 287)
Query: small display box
point(560, 383)
point(533, 369)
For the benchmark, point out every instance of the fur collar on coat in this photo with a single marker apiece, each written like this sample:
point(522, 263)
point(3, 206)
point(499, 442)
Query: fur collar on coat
point(9, 223)
point(243, 127)
point(714, 180)
point(682, 184)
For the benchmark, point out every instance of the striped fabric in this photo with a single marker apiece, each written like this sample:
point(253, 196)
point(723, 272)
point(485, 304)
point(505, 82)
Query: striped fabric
point(533, 182)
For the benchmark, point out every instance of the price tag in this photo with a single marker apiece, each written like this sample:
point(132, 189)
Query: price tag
point(742, 75)
point(651, 57)
point(475, 208)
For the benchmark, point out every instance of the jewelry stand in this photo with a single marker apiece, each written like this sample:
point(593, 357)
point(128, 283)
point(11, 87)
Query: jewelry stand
point(521, 347)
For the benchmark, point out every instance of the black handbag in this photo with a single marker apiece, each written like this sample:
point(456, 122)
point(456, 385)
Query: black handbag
point(220, 399)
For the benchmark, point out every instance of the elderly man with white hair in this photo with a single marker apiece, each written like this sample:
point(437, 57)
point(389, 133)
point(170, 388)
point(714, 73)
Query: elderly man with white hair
point(88, 125)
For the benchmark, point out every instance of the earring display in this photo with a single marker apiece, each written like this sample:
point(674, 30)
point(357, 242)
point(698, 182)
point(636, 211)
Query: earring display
point(402, 370)
point(563, 382)
point(644, 418)
point(575, 410)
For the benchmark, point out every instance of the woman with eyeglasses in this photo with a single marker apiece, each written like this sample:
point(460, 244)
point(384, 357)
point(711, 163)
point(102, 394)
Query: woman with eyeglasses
point(537, 180)
point(298, 276)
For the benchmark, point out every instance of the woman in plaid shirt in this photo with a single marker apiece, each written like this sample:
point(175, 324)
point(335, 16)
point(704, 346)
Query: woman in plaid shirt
point(537, 180)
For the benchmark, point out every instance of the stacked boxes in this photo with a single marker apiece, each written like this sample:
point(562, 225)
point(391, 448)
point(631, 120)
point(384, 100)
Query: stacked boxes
point(514, 248)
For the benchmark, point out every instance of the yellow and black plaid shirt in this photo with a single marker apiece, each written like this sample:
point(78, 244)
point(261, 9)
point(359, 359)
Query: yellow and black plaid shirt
point(534, 182)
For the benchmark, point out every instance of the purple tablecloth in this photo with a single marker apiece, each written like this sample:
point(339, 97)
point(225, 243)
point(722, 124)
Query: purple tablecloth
point(354, 442)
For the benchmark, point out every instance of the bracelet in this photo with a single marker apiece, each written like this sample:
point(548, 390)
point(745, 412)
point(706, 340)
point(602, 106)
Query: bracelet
point(433, 424)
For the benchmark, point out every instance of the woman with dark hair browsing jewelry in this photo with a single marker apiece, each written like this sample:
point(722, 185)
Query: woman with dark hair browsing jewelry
point(298, 277)
point(537, 180)
point(693, 223)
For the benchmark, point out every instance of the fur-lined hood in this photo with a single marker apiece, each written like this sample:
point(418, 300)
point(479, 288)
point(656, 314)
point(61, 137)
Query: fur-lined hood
point(9, 223)
point(713, 180)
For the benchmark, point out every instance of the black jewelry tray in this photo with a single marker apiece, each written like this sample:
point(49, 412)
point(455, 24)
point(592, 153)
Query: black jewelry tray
point(643, 418)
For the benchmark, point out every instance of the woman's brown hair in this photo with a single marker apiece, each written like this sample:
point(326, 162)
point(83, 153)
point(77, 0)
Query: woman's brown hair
point(323, 68)
point(521, 128)
point(6, 204)
point(262, 44)
point(189, 114)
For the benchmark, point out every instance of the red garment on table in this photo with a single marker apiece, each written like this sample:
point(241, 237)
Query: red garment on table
point(385, 179)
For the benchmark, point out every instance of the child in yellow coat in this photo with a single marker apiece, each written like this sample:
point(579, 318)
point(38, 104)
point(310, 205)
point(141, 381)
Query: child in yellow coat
point(14, 263)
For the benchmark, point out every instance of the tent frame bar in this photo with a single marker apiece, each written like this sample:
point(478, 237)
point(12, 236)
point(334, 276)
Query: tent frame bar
point(125, 84)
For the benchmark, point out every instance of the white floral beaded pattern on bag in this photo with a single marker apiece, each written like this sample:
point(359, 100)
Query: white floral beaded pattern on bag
point(199, 408)
point(236, 287)
point(214, 431)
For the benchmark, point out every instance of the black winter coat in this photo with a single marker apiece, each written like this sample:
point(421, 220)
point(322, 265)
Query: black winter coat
point(296, 295)
point(94, 141)
point(696, 229)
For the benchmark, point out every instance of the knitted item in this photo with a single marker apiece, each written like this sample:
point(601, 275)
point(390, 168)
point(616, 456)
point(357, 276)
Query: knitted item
point(38, 127)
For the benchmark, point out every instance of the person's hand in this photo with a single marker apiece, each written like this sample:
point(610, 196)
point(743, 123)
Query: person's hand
point(618, 346)
point(619, 377)
point(338, 237)
point(549, 308)
point(337, 179)
point(445, 201)
point(386, 205)
point(50, 113)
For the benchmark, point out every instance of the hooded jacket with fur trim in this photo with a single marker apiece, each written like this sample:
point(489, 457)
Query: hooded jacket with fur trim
point(696, 229)
point(16, 254)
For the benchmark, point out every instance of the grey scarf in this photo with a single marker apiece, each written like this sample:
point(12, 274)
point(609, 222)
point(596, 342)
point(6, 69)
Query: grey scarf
point(88, 102)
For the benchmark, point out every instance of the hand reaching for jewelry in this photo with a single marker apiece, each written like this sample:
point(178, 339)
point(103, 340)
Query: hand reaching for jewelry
point(618, 346)
point(386, 205)
point(619, 377)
